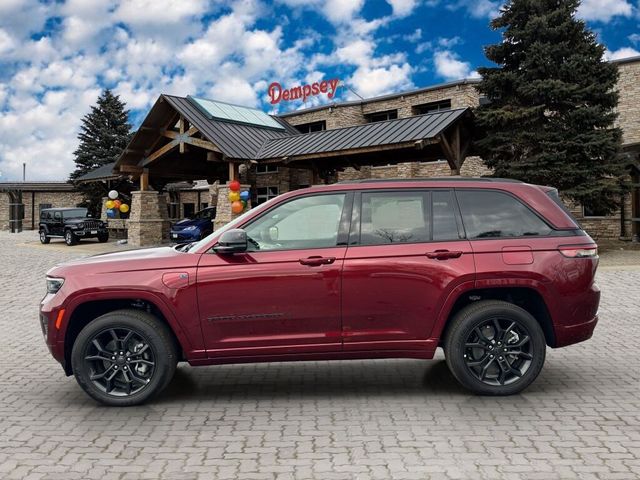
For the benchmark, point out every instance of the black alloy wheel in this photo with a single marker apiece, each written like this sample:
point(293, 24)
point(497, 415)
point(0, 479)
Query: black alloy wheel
point(498, 351)
point(121, 361)
point(124, 357)
point(494, 347)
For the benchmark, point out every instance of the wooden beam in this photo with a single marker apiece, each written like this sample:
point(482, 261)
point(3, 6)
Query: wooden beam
point(198, 142)
point(144, 180)
point(448, 153)
point(181, 125)
point(234, 171)
point(158, 153)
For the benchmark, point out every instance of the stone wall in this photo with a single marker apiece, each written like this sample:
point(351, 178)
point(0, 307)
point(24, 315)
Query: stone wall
point(148, 223)
point(629, 102)
point(337, 116)
point(55, 199)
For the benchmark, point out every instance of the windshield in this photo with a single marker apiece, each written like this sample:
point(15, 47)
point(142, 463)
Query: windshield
point(232, 224)
point(74, 213)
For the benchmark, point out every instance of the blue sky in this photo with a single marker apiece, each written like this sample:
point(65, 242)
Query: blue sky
point(56, 56)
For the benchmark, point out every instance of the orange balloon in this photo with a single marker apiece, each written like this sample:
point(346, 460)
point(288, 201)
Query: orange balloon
point(116, 204)
point(237, 207)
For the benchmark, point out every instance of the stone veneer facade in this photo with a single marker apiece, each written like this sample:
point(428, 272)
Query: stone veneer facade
point(32, 200)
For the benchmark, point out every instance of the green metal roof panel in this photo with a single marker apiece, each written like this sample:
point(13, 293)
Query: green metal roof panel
point(235, 113)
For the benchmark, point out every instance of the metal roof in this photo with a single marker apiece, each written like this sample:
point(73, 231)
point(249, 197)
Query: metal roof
point(43, 186)
point(235, 140)
point(390, 132)
point(104, 172)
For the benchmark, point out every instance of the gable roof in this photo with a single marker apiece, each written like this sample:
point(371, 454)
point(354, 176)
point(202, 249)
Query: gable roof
point(390, 132)
point(235, 140)
point(105, 172)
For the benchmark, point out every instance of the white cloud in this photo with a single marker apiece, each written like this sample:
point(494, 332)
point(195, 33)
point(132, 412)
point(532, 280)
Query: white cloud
point(6, 42)
point(475, 8)
point(369, 82)
point(336, 11)
point(604, 10)
point(634, 38)
point(450, 67)
point(624, 52)
point(402, 8)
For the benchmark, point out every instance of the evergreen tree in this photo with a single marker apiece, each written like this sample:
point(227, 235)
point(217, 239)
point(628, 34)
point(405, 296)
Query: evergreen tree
point(104, 134)
point(552, 100)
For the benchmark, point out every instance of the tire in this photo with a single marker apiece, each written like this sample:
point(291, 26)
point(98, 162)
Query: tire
point(70, 238)
point(43, 237)
point(92, 367)
point(103, 237)
point(475, 347)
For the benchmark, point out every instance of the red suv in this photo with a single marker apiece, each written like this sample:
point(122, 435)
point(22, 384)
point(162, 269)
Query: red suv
point(490, 270)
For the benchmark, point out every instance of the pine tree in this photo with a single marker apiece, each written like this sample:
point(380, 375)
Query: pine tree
point(552, 100)
point(104, 134)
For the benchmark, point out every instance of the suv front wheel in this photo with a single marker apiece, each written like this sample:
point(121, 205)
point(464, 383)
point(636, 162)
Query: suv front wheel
point(124, 357)
point(495, 348)
point(70, 238)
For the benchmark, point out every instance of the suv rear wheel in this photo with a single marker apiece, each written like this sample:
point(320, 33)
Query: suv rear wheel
point(70, 238)
point(43, 237)
point(495, 348)
point(124, 357)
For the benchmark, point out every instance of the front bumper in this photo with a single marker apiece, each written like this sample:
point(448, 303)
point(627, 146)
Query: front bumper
point(184, 235)
point(91, 232)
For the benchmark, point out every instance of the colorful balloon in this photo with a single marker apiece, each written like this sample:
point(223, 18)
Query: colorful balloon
point(234, 186)
point(111, 213)
point(234, 196)
point(236, 207)
point(244, 204)
point(113, 194)
point(244, 195)
point(124, 208)
point(116, 204)
point(109, 204)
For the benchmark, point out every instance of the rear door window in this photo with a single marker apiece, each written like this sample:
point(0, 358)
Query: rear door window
point(492, 214)
point(394, 217)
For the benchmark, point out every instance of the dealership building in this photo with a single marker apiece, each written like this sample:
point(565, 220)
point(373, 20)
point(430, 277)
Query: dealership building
point(188, 149)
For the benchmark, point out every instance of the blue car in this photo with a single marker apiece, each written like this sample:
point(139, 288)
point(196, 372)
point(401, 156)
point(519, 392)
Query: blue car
point(191, 229)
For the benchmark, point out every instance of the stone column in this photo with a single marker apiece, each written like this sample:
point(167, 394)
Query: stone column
point(148, 222)
point(103, 209)
point(223, 206)
point(4, 211)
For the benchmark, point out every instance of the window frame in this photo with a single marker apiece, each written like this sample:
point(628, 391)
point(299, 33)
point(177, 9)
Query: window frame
point(584, 213)
point(343, 224)
point(554, 232)
point(267, 197)
point(418, 109)
point(370, 116)
point(266, 165)
point(355, 233)
point(308, 126)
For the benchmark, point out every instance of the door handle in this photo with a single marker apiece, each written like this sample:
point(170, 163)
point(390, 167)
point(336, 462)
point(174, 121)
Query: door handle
point(317, 261)
point(443, 254)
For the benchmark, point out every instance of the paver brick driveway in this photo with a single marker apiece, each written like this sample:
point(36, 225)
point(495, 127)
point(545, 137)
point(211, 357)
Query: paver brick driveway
point(400, 419)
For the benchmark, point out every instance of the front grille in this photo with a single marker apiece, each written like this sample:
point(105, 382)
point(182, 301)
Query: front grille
point(92, 224)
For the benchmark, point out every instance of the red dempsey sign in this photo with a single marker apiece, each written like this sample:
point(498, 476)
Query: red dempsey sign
point(277, 93)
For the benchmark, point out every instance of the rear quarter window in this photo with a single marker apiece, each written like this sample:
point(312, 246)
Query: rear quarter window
point(492, 214)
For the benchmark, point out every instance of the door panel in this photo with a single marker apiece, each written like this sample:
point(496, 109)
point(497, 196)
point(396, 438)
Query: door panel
point(270, 302)
point(392, 294)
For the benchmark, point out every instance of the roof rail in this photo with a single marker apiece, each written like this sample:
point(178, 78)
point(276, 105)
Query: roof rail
point(434, 179)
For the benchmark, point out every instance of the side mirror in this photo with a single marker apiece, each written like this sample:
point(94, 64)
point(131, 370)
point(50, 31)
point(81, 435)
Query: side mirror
point(232, 241)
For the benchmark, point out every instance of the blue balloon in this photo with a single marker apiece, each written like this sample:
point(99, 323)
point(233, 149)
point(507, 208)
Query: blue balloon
point(244, 195)
point(111, 213)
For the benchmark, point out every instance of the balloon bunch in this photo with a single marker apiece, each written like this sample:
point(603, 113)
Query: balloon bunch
point(237, 198)
point(115, 206)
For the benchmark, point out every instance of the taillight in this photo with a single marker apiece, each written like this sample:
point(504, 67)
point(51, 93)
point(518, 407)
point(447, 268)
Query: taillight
point(579, 251)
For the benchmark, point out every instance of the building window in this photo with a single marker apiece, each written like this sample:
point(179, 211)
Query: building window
point(203, 205)
point(42, 206)
point(431, 107)
point(382, 116)
point(188, 209)
point(311, 127)
point(265, 193)
point(266, 168)
point(593, 211)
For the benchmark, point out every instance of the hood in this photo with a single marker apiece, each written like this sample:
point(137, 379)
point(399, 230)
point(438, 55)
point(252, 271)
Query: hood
point(127, 261)
point(77, 220)
point(187, 222)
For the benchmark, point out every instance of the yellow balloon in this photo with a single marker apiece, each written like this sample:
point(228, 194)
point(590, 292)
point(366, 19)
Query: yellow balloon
point(109, 204)
point(234, 196)
point(124, 208)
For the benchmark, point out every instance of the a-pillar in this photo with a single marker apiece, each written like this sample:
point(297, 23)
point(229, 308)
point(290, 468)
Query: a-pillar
point(223, 206)
point(148, 222)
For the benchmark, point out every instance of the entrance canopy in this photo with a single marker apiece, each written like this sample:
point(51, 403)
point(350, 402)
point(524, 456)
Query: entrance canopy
point(189, 138)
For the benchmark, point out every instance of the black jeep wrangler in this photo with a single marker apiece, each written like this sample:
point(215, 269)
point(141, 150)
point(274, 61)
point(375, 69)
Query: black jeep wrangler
point(72, 224)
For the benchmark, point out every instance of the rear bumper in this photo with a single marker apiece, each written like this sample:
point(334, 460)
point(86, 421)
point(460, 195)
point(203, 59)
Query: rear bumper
point(568, 335)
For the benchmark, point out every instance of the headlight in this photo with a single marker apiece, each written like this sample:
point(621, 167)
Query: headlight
point(192, 227)
point(81, 225)
point(54, 284)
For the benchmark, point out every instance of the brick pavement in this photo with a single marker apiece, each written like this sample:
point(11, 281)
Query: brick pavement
point(382, 419)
